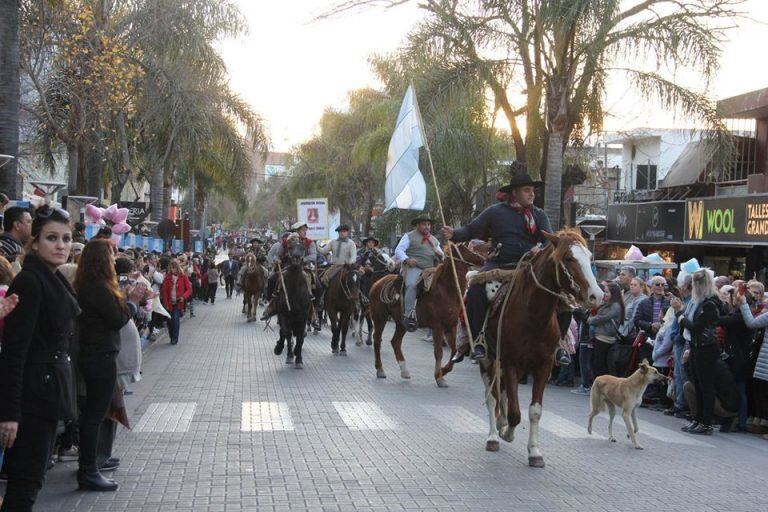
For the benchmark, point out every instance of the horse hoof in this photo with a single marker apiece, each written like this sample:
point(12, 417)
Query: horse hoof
point(298, 366)
point(289, 360)
point(441, 383)
point(380, 374)
point(358, 343)
point(491, 446)
point(405, 374)
point(278, 349)
point(507, 434)
point(251, 319)
point(335, 351)
point(369, 342)
point(343, 353)
point(536, 462)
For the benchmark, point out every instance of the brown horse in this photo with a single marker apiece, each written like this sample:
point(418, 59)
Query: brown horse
point(528, 334)
point(252, 283)
point(437, 309)
point(341, 298)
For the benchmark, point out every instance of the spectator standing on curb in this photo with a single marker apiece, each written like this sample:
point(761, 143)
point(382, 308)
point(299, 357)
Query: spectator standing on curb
point(175, 292)
point(35, 372)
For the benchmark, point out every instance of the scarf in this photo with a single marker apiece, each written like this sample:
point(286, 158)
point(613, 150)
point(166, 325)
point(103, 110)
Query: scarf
point(426, 239)
point(530, 222)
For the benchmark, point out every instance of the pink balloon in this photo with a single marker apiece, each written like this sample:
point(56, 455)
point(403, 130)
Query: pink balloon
point(120, 215)
point(94, 214)
point(110, 212)
point(121, 228)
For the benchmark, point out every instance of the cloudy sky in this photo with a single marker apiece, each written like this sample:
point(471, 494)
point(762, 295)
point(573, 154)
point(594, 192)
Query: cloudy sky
point(290, 68)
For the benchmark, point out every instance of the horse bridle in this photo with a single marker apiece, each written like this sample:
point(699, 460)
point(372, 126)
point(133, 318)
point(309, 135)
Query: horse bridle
point(559, 267)
point(343, 283)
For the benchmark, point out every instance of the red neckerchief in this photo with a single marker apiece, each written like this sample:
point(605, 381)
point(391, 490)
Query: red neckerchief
point(530, 222)
point(425, 238)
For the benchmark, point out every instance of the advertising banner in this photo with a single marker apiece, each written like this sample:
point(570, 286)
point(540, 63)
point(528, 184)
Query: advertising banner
point(620, 223)
point(137, 211)
point(314, 211)
point(660, 222)
point(726, 220)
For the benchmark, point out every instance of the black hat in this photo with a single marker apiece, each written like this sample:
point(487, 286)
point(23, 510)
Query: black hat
point(256, 239)
point(342, 227)
point(520, 180)
point(370, 239)
point(421, 219)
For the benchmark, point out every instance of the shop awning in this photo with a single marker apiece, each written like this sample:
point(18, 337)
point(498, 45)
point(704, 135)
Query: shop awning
point(689, 166)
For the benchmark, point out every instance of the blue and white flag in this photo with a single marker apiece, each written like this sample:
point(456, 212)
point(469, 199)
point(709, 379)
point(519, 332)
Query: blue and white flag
point(405, 187)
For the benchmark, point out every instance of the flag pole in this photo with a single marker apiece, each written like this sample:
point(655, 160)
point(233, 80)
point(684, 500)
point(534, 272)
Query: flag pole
point(442, 219)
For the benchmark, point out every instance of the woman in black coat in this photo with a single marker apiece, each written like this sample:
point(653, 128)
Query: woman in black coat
point(35, 372)
point(104, 312)
point(700, 320)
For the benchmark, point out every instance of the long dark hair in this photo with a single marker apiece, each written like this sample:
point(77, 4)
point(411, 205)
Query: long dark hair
point(96, 266)
point(617, 297)
point(44, 215)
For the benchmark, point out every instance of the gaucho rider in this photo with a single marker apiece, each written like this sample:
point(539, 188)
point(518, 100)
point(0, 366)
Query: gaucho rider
point(309, 260)
point(418, 250)
point(344, 252)
point(371, 261)
point(515, 227)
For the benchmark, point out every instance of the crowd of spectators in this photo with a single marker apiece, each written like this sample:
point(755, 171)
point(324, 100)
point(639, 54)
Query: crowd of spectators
point(705, 333)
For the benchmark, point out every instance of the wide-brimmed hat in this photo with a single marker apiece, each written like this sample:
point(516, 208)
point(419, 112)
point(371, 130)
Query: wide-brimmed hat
point(298, 225)
point(421, 219)
point(369, 239)
point(342, 227)
point(256, 239)
point(520, 180)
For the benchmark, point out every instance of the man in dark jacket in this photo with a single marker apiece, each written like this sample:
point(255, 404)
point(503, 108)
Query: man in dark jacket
point(229, 271)
point(651, 310)
point(515, 226)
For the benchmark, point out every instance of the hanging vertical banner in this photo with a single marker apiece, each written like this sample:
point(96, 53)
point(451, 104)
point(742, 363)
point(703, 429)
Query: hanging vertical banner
point(314, 212)
point(177, 246)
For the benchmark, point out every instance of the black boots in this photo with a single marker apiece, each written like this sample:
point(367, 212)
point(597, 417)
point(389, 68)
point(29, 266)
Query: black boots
point(90, 479)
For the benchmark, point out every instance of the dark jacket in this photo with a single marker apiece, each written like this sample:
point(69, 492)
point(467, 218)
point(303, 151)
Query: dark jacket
point(644, 313)
point(705, 319)
point(506, 226)
point(738, 344)
point(101, 319)
point(35, 371)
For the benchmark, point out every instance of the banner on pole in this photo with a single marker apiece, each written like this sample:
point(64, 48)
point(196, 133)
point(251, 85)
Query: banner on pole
point(314, 212)
point(405, 187)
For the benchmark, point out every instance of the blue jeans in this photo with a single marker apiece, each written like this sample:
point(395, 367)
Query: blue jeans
point(585, 363)
point(174, 323)
point(680, 377)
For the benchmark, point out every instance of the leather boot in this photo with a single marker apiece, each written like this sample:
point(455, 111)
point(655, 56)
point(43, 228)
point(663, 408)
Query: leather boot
point(89, 479)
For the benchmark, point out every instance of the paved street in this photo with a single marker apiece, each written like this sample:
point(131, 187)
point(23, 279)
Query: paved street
point(221, 424)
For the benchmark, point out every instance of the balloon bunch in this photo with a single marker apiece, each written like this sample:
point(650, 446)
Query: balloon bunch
point(112, 216)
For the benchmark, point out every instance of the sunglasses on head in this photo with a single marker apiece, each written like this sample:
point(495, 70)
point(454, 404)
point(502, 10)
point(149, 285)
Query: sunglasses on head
point(46, 211)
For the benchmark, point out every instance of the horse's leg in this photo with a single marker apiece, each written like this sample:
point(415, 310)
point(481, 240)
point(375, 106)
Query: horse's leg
point(299, 333)
point(492, 442)
point(289, 352)
point(369, 322)
point(357, 324)
point(450, 337)
point(439, 337)
point(513, 405)
point(540, 378)
point(332, 315)
point(380, 321)
point(343, 327)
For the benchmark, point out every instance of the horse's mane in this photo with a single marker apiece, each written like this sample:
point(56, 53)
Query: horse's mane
point(567, 238)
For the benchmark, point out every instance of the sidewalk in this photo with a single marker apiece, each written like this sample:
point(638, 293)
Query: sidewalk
point(220, 423)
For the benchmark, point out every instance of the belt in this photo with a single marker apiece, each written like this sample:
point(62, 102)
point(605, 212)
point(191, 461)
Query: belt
point(48, 357)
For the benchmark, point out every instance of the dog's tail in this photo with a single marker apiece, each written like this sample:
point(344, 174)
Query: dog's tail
point(596, 397)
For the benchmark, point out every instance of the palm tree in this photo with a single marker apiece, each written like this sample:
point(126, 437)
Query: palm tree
point(9, 94)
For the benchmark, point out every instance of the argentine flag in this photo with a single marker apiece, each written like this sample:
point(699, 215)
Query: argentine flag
point(405, 187)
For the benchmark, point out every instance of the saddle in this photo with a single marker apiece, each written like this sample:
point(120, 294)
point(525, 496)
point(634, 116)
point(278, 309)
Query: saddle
point(426, 279)
point(497, 281)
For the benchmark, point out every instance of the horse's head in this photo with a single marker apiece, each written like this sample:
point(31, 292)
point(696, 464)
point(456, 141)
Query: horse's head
point(350, 277)
point(250, 261)
point(460, 252)
point(388, 262)
point(574, 266)
point(296, 250)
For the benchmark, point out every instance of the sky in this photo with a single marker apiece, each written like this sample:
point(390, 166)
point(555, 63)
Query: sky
point(290, 68)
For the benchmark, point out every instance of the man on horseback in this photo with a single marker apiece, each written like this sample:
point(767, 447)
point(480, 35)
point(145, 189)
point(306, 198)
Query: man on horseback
point(417, 250)
point(344, 252)
point(515, 227)
point(257, 248)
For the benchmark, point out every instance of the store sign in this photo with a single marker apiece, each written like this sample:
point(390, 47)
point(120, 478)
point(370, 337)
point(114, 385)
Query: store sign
point(655, 222)
point(621, 223)
point(137, 211)
point(314, 212)
point(660, 222)
point(727, 219)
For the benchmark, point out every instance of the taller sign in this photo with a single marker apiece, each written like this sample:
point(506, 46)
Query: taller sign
point(314, 212)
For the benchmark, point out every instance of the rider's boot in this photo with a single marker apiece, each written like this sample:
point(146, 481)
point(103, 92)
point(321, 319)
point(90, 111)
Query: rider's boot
point(461, 353)
point(411, 324)
point(478, 352)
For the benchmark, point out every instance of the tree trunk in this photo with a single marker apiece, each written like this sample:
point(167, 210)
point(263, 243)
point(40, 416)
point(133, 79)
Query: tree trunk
point(554, 176)
point(73, 158)
point(94, 167)
point(156, 194)
point(166, 204)
point(9, 95)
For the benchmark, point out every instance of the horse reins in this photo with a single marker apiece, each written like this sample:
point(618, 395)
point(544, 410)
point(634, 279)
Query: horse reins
point(282, 284)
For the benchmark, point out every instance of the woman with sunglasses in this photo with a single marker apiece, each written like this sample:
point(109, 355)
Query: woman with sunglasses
point(35, 371)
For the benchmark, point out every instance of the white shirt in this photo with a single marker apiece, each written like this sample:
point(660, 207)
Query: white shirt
point(405, 243)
